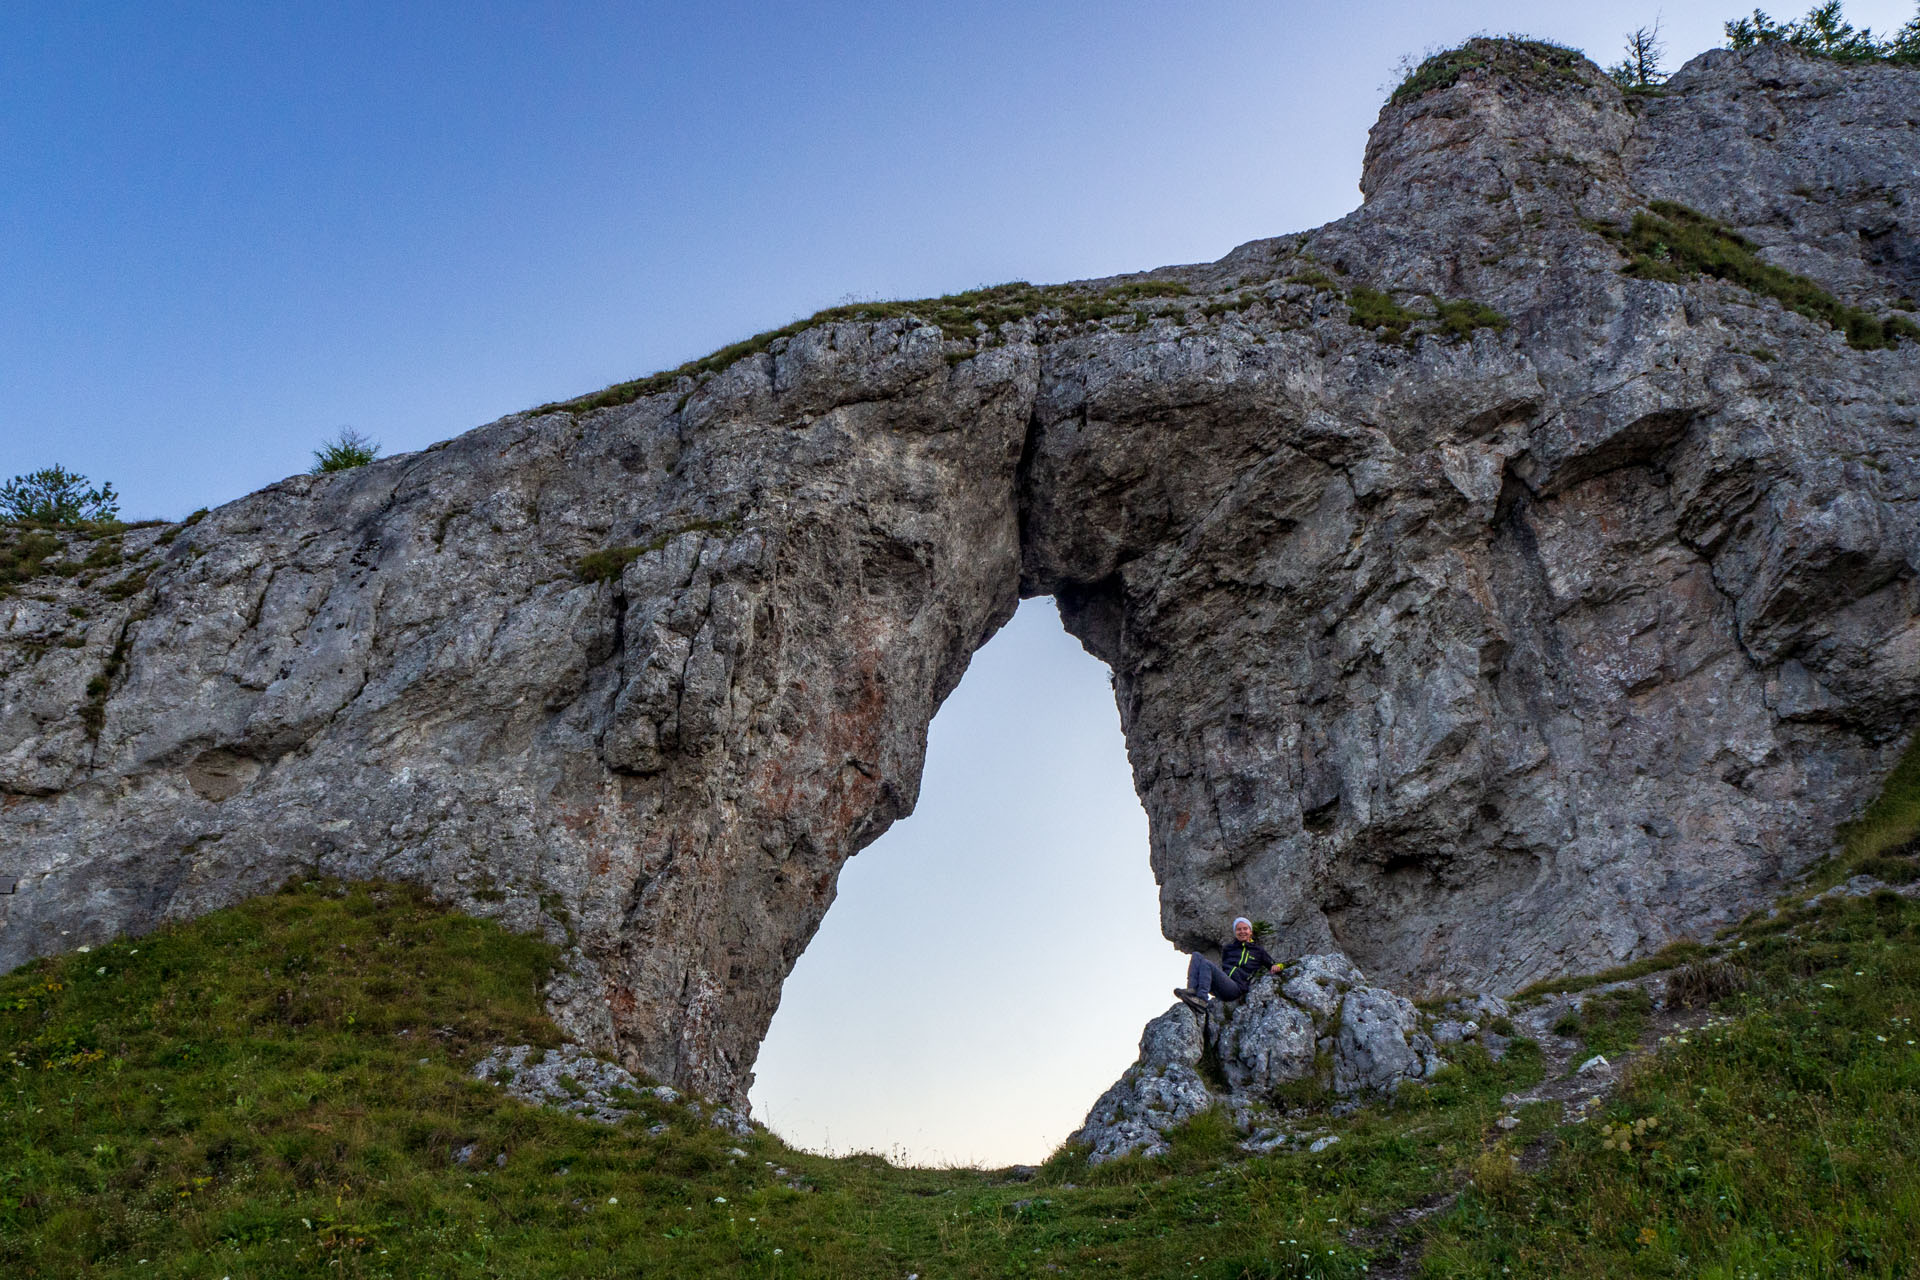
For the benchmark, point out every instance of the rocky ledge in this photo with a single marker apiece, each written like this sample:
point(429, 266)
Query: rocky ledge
point(1316, 1033)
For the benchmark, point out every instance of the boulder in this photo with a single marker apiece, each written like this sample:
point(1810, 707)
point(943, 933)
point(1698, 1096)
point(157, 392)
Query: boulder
point(1317, 982)
point(1266, 1041)
point(1161, 1090)
point(1379, 1043)
point(1371, 1038)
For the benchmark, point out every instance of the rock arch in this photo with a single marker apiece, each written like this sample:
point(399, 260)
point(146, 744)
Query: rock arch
point(1474, 654)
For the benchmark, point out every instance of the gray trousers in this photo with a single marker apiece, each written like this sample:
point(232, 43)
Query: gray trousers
point(1204, 976)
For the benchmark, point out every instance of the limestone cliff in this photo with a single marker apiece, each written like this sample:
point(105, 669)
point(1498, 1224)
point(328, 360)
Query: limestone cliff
point(1476, 608)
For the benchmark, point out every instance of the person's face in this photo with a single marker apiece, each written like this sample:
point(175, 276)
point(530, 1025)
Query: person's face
point(1243, 932)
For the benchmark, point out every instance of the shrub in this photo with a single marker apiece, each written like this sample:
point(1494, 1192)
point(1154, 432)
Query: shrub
point(1699, 984)
point(344, 452)
point(57, 498)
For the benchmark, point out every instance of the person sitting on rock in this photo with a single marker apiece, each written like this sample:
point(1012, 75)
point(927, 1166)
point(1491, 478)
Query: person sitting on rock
point(1243, 959)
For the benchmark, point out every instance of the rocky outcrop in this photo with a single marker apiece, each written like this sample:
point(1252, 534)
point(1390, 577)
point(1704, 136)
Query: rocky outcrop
point(573, 1079)
point(1475, 609)
point(1319, 1025)
point(1161, 1091)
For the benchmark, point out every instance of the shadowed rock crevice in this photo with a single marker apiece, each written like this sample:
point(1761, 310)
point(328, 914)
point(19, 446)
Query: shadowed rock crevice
point(1559, 617)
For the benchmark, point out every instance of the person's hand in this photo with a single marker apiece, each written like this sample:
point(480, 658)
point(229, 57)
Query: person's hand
point(1277, 968)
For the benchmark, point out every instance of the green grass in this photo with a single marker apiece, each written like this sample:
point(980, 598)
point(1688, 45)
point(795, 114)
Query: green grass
point(1459, 317)
point(1668, 957)
point(93, 712)
point(1891, 821)
point(1455, 318)
point(26, 550)
point(1788, 1136)
point(1673, 243)
point(1540, 63)
point(23, 553)
point(1611, 1024)
point(958, 315)
point(345, 451)
point(243, 1095)
point(607, 564)
point(1374, 309)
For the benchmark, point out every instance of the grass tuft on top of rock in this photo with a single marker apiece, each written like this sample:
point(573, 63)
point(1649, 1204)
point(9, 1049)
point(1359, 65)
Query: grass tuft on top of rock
point(959, 316)
point(1542, 63)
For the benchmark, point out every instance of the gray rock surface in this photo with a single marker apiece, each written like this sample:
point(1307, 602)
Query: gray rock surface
point(1317, 983)
point(569, 1078)
point(1373, 1040)
point(1160, 1091)
point(1267, 1041)
point(1380, 1043)
point(573, 1078)
point(1476, 658)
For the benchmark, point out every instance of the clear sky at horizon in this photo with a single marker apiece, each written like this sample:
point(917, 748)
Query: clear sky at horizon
point(229, 230)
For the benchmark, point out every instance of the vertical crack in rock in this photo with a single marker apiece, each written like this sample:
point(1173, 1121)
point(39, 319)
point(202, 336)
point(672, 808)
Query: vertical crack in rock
point(1515, 616)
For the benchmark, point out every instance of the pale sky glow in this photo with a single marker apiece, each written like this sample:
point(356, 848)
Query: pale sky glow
point(1013, 921)
point(228, 230)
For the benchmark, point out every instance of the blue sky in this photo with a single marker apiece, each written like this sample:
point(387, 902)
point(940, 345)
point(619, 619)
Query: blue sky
point(229, 230)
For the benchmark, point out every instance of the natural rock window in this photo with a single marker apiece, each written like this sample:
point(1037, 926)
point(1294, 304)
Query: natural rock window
point(984, 972)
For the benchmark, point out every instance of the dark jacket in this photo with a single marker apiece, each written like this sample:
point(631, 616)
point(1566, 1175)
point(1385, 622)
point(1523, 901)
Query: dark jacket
point(1244, 961)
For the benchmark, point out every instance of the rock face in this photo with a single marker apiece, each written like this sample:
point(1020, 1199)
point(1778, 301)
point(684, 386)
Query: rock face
point(1476, 656)
point(1162, 1090)
point(1320, 1024)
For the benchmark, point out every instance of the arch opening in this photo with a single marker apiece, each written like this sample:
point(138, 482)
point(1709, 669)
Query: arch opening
point(988, 962)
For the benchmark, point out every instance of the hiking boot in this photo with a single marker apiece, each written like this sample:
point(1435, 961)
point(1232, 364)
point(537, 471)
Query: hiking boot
point(1192, 999)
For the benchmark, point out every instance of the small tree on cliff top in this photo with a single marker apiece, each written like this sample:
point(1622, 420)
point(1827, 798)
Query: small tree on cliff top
point(1826, 33)
point(58, 497)
point(1641, 67)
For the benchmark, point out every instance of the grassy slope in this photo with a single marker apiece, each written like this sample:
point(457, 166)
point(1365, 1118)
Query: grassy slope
point(244, 1096)
point(1788, 1136)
